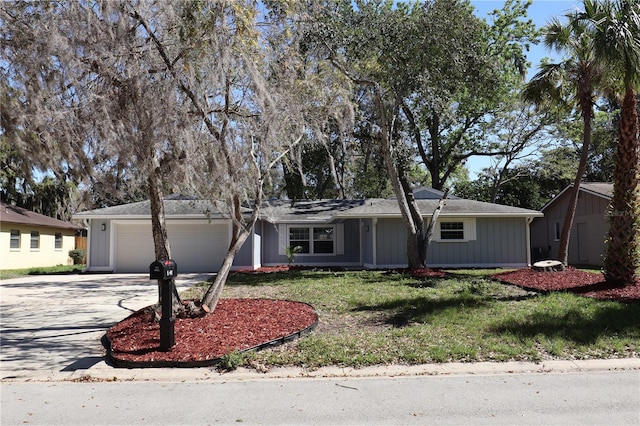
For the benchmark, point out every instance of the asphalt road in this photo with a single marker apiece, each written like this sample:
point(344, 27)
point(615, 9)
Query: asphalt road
point(596, 398)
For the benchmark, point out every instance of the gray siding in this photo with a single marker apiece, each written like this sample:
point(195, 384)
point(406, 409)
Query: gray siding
point(391, 242)
point(245, 256)
point(367, 242)
point(351, 256)
point(99, 244)
point(249, 254)
point(499, 242)
point(588, 233)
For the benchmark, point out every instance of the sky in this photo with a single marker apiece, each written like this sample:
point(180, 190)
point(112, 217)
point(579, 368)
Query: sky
point(540, 11)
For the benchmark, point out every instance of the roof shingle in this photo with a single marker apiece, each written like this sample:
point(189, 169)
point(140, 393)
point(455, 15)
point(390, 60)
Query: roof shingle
point(19, 215)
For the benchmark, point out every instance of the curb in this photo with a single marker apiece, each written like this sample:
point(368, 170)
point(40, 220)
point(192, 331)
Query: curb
point(103, 372)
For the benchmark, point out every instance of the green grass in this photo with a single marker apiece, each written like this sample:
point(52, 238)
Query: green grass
point(369, 317)
point(60, 269)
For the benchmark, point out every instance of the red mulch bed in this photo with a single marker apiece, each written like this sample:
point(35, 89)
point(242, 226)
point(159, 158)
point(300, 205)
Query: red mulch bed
point(235, 325)
point(585, 283)
point(244, 324)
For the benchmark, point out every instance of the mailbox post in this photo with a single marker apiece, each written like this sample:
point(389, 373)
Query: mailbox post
point(165, 271)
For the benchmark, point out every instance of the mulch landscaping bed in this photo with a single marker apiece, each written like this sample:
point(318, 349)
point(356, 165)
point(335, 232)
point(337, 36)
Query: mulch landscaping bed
point(572, 280)
point(235, 325)
point(250, 324)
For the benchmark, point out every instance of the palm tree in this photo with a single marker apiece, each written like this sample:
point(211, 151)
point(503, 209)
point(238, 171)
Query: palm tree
point(615, 26)
point(572, 81)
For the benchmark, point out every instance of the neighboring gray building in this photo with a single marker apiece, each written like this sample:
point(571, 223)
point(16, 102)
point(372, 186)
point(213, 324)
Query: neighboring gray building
point(589, 230)
point(345, 233)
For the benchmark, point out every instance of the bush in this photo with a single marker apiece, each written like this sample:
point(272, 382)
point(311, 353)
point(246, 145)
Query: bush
point(231, 361)
point(77, 255)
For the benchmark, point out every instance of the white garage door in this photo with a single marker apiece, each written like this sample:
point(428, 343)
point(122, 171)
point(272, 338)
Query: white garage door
point(196, 247)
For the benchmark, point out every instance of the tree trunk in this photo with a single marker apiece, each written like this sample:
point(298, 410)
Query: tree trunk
point(563, 248)
point(212, 296)
point(434, 218)
point(405, 201)
point(162, 247)
point(622, 257)
point(240, 232)
point(408, 208)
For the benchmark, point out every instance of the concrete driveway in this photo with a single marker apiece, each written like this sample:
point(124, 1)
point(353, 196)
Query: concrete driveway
point(54, 323)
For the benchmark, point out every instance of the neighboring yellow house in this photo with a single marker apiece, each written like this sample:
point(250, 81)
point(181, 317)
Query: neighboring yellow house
point(29, 240)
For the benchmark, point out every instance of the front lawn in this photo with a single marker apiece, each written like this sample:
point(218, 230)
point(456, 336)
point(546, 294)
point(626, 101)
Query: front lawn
point(376, 317)
point(5, 274)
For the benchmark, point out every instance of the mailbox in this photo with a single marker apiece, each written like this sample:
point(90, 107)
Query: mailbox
point(163, 270)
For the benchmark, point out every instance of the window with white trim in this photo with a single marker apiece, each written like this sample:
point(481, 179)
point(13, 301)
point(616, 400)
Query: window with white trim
point(35, 240)
point(455, 230)
point(58, 241)
point(312, 239)
point(452, 230)
point(14, 243)
point(300, 237)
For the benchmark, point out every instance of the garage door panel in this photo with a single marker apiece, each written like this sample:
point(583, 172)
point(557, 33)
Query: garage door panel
point(134, 248)
point(195, 247)
point(198, 248)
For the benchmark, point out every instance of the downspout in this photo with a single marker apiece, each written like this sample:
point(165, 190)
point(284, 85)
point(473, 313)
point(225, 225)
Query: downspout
point(374, 223)
point(261, 248)
point(361, 242)
point(528, 220)
point(87, 224)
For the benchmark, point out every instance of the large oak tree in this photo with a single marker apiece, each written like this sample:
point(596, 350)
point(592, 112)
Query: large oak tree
point(431, 73)
point(199, 97)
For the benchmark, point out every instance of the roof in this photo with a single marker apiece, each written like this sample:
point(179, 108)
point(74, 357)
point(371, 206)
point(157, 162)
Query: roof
point(426, 193)
point(306, 211)
point(602, 189)
point(453, 208)
point(174, 206)
point(19, 215)
point(320, 211)
point(599, 189)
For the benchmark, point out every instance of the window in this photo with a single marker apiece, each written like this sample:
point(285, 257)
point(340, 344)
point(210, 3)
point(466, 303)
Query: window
point(323, 240)
point(326, 240)
point(312, 240)
point(557, 231)
point(58, 241)
point(15, 239)
point(299, 237)
point(455, 230)
point(452, 230)
point(35, 240)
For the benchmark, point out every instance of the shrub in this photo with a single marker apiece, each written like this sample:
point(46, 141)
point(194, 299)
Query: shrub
point(77, 255)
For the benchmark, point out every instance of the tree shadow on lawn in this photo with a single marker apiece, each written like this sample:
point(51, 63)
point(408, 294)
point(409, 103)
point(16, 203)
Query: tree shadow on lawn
point(574, 324)
point(425, 282)
point(264, 278)
point(474, 294)
point(402, 312)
